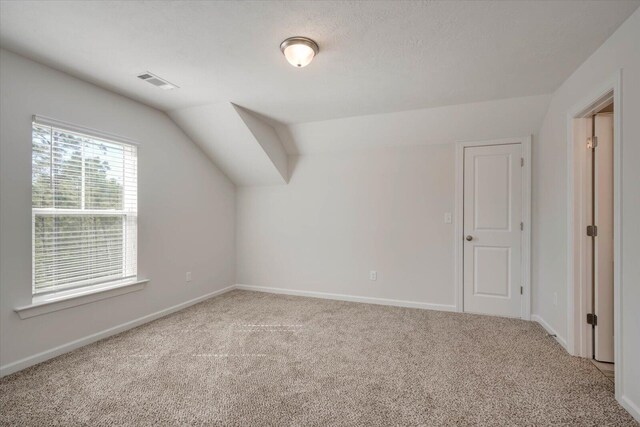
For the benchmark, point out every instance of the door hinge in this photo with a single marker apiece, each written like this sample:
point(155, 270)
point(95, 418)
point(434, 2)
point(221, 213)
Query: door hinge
point(592, 319)
point(592, 142)
point(592, 230)
point(521, 161)
point(522, 226)
point(520, 290)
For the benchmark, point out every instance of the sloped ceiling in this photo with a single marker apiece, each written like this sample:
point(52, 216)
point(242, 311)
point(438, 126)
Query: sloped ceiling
point(466, 122)
point(246, 148)
point(375, 56)
point(376, 60)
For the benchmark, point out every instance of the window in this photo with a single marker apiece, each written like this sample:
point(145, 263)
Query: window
point(84, 208)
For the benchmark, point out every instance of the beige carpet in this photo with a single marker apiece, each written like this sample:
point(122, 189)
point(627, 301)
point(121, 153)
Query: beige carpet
point(248, 358)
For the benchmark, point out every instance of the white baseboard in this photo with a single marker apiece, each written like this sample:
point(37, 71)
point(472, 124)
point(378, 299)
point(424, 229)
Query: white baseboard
point(549, 329)
point(631, 407)
point(65, 348)
point(351, 298)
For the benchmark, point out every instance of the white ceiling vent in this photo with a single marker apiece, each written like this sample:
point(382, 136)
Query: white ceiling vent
point(157, 81)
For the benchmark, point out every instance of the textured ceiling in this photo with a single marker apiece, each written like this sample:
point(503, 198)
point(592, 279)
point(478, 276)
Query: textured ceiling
point(374, 56)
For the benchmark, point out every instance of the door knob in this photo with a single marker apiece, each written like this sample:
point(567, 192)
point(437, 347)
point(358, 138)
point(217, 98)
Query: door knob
point(469, 237)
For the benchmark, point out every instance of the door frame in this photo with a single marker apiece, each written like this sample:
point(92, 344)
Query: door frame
point(577, 328)
point(525, 309)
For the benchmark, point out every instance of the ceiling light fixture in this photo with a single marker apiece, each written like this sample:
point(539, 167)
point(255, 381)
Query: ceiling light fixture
point(299, 51)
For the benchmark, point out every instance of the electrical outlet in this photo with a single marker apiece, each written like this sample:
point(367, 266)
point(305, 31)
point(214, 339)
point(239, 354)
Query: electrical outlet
point(188, 278)
point(447, 218)
point(555, 298)
point(373, 275)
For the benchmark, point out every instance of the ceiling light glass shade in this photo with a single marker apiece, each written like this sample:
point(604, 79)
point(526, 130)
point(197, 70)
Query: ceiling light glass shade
point(299, 51)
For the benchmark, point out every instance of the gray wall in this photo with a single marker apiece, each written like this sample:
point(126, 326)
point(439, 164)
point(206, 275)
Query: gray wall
point(343, 214)
point(550, 195)
point(186, 208)
point(348, 211)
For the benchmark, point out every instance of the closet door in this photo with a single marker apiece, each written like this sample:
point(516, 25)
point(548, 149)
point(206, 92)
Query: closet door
point(492, 228)
point(603, 242)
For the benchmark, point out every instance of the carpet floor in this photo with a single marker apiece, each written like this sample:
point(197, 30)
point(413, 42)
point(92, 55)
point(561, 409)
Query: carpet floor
point(250, 358)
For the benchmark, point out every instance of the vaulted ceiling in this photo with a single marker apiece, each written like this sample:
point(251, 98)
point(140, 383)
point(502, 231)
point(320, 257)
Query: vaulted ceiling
point(248, 108)
point(375, 57)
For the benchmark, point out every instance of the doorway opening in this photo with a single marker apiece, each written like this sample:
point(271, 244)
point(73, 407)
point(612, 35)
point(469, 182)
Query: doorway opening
point(599, 212)
point(594, 231)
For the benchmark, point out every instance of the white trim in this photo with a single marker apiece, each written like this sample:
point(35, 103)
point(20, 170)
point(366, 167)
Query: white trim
point(550, 330)
point(575, 308)
point(631, 407)
point(525, 311)
point(458, 227)
point(351, 298)
point(48, 121)
point(43, 304)
point(526, 232)
point(65, 348)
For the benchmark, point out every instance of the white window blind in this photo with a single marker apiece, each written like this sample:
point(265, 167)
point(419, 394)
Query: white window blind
point(84, 209)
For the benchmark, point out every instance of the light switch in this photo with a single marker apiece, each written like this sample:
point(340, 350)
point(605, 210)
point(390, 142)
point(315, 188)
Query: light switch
point(447, 218)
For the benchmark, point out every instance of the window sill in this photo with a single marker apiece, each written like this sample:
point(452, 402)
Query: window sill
point(50, 303)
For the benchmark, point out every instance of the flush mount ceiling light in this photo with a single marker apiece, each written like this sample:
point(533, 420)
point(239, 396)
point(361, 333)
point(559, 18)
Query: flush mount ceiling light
point(299, 51)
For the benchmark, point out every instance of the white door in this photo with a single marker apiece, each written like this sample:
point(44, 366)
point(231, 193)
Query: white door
point(604, 239)
point(492, 234)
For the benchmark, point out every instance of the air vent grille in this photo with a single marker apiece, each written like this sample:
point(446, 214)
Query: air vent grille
point(156, 81)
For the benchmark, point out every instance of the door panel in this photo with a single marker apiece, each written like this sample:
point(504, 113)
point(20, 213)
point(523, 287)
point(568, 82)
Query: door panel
point(492, 199)
point(492, 215)
point(491, 271)
point(604, 240)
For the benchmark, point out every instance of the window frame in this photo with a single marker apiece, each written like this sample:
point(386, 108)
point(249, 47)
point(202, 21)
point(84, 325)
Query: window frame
point(127, 213)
